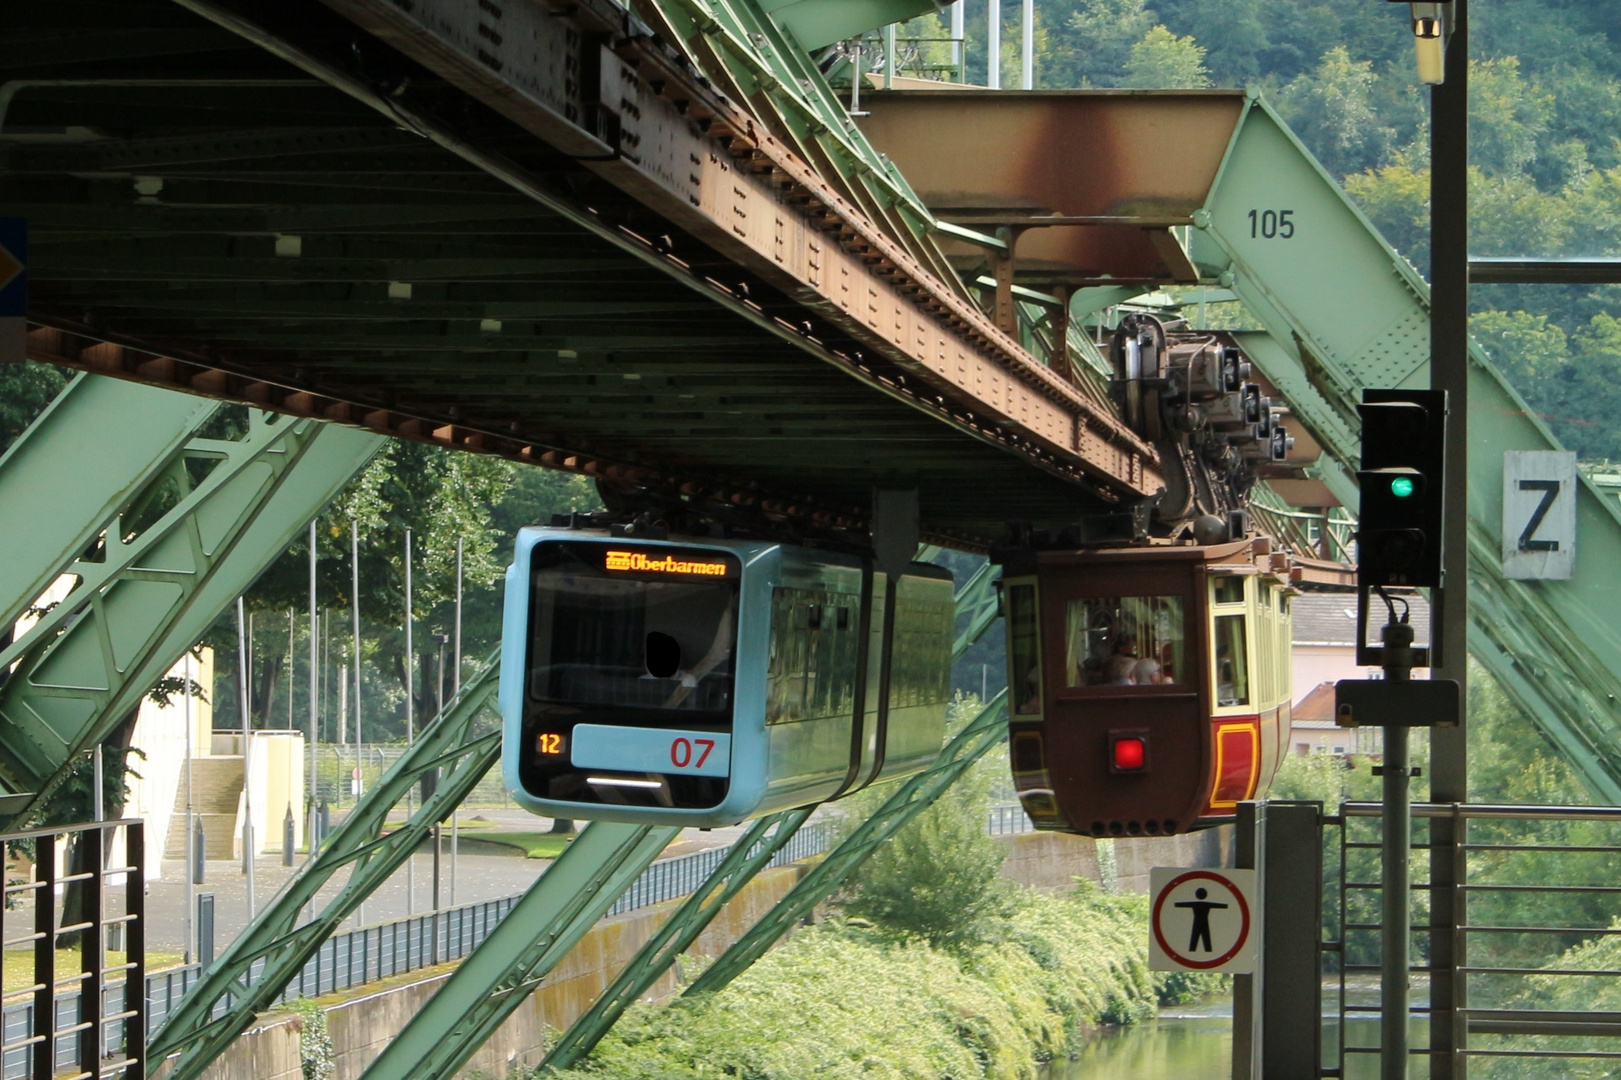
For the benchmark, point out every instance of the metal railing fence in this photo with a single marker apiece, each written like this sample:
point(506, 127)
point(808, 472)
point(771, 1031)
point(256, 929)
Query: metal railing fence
point(1537, 940)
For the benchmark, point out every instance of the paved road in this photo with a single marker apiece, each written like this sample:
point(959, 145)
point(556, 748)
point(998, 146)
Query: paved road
point(480, 876)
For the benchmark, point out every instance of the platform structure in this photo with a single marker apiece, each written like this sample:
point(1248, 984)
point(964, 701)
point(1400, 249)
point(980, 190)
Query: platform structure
point(745, 299)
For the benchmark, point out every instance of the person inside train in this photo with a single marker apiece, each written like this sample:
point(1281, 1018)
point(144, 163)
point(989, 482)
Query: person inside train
point(1147, 672)
point(1121, 667)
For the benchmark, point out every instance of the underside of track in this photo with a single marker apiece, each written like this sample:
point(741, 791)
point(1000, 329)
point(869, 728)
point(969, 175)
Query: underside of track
point(391, 252)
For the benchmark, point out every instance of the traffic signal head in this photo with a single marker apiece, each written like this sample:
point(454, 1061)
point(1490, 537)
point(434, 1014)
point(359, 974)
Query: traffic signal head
point(1403, 484)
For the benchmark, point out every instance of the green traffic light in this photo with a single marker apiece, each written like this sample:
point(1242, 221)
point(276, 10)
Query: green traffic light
point(1401, 487)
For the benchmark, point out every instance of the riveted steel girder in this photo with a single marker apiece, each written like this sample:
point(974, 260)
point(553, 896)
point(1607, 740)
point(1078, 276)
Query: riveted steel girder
point(463, 742)
point(687, 152)
point(151, 588)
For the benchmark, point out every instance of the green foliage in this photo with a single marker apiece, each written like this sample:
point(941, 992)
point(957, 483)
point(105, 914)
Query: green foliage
point(1161, 60)
point(25, 390)
point(939, 877)
point(840, 1001)
point(1332, 110)
point(316, 1057)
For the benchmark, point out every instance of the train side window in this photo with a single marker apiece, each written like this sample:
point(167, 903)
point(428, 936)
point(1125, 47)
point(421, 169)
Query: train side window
point(1228, 589)
point(1125, 641)
point(1232, 661)
point(920, 656)
point(812, 668)
point(1024, 650)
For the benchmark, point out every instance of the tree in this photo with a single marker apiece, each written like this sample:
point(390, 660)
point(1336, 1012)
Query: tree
point(1092, 45)
point(1331, 110)
point(1508, 116)
point(25, 390)
point(1161, 60)
point(939, 877)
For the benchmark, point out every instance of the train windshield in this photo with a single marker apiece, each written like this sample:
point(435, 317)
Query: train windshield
point(646, 633)
point(1126, 641)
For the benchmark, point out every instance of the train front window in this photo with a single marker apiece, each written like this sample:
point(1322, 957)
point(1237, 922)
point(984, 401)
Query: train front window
point(1125, 641)
point(629, 674)
point(639, 642)
point(1232, 661)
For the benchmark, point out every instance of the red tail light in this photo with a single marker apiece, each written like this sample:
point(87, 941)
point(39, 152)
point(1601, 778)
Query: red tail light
point(1128, 753)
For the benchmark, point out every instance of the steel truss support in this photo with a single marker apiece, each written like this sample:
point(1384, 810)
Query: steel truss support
point(170, 559)
point(564, 903)
point(98, 444)
point(676, 934)
point(1343, 311)
point(277, 945)
point(914, 796)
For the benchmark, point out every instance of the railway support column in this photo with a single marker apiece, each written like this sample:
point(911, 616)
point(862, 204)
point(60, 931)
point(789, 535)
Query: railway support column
point(1277, 1012)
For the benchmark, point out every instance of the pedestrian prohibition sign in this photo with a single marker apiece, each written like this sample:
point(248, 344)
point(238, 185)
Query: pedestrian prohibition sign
point(1202, 920)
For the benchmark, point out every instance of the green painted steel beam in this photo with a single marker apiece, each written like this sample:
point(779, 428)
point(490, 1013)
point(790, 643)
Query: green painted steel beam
point(564, 903)
point(154, 588)
point(981, 600)
point(817, 23)
point(98, 445)
point(765, 59)
point(277, 944)
point(751, 854)
point(1345, 312)
point(915, 795)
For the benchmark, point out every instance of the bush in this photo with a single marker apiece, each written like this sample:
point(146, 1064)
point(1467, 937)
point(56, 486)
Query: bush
point(316, 1058)
point(939, 877)
point(846, 1001)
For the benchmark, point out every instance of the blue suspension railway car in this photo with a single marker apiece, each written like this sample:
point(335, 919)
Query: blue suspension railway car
point(704, 682)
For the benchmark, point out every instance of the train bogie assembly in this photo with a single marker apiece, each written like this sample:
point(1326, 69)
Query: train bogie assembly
point(704, 682)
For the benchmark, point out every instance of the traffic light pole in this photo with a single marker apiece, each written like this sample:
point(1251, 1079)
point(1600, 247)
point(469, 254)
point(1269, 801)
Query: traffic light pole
point(1396, 917)
point(1449, 371)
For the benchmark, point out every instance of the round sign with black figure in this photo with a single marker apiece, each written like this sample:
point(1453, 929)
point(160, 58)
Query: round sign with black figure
point(1202, 920)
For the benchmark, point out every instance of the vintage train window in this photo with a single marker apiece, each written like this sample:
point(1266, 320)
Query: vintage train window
point(1024, 651)
point(655, 640)
point(1228, 589)
point(1125, 641)
point(1232, 661)
point(812, 672)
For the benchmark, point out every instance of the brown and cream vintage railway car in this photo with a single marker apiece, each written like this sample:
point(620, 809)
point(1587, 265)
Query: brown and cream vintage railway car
point(1148, 686)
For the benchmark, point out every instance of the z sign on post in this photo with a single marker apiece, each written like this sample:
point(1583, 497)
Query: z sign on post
point(1539, 514)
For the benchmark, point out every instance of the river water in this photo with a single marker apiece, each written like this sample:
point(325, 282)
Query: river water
point(1187, 1042)
point(1195, 1042)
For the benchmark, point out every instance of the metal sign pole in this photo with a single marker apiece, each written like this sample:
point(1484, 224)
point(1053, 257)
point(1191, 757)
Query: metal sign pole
point(1396, 916)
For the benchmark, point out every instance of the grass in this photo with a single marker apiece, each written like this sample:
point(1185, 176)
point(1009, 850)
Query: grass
point(534, 845)
point(18, 973)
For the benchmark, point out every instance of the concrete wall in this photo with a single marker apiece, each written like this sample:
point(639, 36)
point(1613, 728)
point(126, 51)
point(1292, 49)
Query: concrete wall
point(160, 733)
point(362, 1026)
point(1051, 862)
